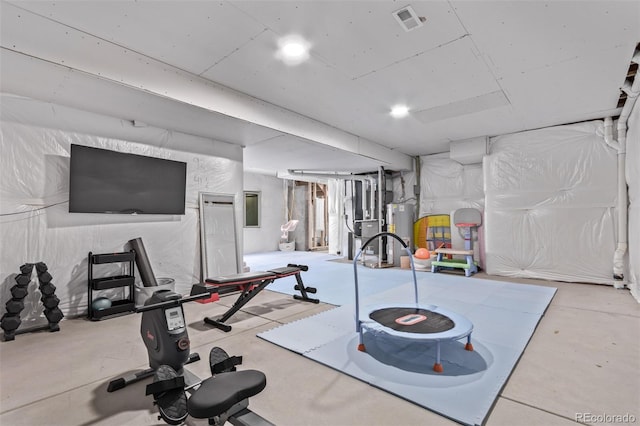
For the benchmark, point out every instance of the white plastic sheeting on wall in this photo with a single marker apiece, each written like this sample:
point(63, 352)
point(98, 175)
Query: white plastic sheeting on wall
point(35, 225)
point(633, 181)
point(446, 185)
point(403, 184)
point(550, 199)
point(272, 213)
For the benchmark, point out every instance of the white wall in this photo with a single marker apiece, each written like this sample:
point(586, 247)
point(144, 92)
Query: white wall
point(35, 225)
point(272, 213)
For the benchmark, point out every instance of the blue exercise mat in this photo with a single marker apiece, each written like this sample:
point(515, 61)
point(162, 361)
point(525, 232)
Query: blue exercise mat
point(328, 274)
point(504, 316)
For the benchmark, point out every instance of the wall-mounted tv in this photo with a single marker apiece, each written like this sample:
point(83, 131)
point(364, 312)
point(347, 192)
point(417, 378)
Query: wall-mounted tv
point(104, 181)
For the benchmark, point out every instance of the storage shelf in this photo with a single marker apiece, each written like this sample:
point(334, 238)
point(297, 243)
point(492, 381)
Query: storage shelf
point(118, 307)
point(113, 257)
point(112, 282)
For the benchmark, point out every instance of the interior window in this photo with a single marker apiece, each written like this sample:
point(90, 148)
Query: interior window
point(251, 209)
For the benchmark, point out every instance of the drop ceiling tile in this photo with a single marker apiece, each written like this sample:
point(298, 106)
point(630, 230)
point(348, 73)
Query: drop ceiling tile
point(358, 37)
point(312, 88)
point(443, 75)
point(472, 105)
point(521, 36)
point(191, 35)
point(491, 122)
point(567, 91)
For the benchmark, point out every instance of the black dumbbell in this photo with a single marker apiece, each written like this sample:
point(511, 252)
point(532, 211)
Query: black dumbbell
point(47, 289)
point(53, 315)
point(10, 323)
point(50, 302)
point(23, 280)
point(44, 277)
point(19, 292)
point(26, 269)
point(15, 306)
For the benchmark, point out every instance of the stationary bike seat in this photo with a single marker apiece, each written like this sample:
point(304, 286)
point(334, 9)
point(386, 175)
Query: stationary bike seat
point(219, 393)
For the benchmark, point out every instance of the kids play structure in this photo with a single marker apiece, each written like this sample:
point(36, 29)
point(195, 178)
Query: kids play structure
point(467, 221)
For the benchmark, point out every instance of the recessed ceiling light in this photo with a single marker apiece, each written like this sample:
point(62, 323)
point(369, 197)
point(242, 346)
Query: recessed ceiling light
point(399, 111)
point(293, 50)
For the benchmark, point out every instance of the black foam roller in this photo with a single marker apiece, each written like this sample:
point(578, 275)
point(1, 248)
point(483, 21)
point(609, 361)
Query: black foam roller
point(142, 261)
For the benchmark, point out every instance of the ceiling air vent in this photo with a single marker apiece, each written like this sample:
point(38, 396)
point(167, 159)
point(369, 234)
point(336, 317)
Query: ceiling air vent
point(408, 19)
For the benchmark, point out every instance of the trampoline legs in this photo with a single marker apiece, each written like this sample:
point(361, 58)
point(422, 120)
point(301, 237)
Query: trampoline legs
point(361, 347)
point(468, 346)
point(437, 367)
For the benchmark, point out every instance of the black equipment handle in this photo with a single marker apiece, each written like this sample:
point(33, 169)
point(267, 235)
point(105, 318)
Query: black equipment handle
point(171, 303)
point(381, 234)
point(355, 271)
point(304, 268)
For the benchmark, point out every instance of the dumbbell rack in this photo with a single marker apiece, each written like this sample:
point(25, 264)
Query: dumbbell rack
point(11, 319)
point(118, 307)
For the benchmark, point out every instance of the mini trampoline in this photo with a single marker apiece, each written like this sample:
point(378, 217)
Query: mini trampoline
point(429, 323)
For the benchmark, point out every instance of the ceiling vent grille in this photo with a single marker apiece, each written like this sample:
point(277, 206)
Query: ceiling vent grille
point(408, 18)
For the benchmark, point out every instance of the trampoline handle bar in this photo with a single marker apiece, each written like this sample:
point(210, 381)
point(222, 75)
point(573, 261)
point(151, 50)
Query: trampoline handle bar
point(382, 234)
point(355, 270)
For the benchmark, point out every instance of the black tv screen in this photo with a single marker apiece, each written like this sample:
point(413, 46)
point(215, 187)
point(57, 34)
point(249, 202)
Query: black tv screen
point(104, 181)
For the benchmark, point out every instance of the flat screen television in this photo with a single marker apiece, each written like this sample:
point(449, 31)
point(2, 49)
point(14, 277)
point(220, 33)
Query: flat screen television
point(105, 181)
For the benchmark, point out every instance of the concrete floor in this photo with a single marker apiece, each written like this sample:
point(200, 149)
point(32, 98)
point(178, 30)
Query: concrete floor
point(584, 359)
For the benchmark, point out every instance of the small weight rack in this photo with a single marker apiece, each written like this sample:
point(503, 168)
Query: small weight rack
point(11, 319)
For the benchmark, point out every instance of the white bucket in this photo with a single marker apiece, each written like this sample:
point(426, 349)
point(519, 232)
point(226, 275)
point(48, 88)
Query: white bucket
point(144, 293)
point(287, 246)
point(421, 264)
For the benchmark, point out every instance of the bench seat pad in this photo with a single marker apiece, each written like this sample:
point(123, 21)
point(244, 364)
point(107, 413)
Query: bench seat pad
point(219, 393)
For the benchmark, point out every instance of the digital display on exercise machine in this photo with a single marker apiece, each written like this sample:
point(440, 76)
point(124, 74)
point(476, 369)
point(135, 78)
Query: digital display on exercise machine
point(175, 319)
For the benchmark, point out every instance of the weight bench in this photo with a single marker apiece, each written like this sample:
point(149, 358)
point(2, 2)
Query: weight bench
point(250, 284)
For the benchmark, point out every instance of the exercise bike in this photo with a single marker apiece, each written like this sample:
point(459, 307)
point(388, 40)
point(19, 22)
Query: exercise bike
point(220, 398)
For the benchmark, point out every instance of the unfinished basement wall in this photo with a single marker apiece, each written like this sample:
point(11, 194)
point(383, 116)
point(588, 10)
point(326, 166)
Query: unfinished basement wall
point(35, 225)
point(548, 199)
point(633, 181)
point(272, 213)
point(445, 186)
point(550, 204)
point(298, 205)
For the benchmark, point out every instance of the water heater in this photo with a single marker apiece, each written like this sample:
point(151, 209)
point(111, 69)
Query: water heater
point(400, 218)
